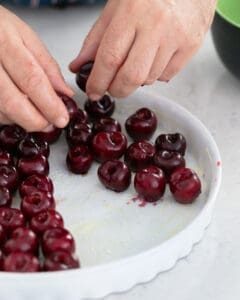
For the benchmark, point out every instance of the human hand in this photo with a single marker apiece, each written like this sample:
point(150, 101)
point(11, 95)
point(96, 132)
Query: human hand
point(29, 77)
point(141, 41)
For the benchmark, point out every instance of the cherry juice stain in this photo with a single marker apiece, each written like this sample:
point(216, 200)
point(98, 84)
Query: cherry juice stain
point(141, 202)
point(218, 163)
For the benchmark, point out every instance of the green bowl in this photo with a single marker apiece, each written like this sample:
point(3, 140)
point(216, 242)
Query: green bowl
point(226, 34)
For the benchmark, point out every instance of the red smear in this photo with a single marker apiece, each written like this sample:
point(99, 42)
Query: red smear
point(128, 202)
point(154, 203)
point(142, 203)
point(218, 163)
point(136, 198)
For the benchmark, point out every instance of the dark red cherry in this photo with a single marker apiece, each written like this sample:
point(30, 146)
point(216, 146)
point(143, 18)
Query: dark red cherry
point(51, 135)
point(185, 185)
point(10, 136)
point(2, 237)
point(150, 183)
point(79, 159)
point(11, 218)
point(22, 240)
point(45, 220)
point(21, 262)
point(37, 165)
point(168, 161)
point(30, 147)
point(100, 109)
point(37, 202)
point(36, 183)
point(139, 155)
point(114, 175)
point(5, 198)
point(57, 239)
point(60, 261)
point(106, 124)
point(1, 260)
point(6, 158)
point(108, 145)
point(78, 134)
point(8, 177)
point(70, 104)
point(80, 116)
point(83, 74)
point(171, 142)
point(142, 124)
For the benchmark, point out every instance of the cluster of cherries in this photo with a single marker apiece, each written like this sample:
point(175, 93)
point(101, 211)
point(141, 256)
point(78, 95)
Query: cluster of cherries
point(154, 165)
point(32, 238)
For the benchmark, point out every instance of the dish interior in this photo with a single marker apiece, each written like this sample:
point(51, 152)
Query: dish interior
point(108, 226)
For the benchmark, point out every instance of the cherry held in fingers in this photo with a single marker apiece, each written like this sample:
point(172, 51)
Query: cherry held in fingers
point(51, 135)
point(83, 74)
point(185, 185)
point(70, 104)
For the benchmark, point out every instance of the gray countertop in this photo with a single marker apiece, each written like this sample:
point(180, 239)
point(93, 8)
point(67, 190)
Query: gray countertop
point(205, 88)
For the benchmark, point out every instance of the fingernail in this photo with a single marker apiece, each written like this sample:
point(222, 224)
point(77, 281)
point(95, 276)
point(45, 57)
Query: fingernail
point(48, 128)
point(61, 122)
point(94, 97)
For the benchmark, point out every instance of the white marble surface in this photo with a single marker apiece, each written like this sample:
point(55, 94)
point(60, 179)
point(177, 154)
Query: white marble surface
point(205, 88)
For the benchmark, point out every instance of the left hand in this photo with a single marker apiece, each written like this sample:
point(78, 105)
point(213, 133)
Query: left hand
point(136, 42)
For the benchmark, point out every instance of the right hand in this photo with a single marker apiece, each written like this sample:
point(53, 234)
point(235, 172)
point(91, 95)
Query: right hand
point(29, 78)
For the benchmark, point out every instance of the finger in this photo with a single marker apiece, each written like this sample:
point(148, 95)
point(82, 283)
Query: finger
point(94, 37)
point(4, 120)
point(177, 62)
point(48, 63)
point(32, 81)
point(136, 68)
point(160, 62)
point(111, 54)
point(16, 107)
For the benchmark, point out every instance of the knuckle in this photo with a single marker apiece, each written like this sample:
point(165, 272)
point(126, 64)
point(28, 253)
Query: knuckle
point(9, 105)
point(150, 80)
point(111, 60)
point(33, 78)
point(36, 125)
point(132, 79)
point(3, 39)
point(116, 91)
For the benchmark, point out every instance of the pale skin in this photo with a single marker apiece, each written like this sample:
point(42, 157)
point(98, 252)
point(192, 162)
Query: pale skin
point(133, 43)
